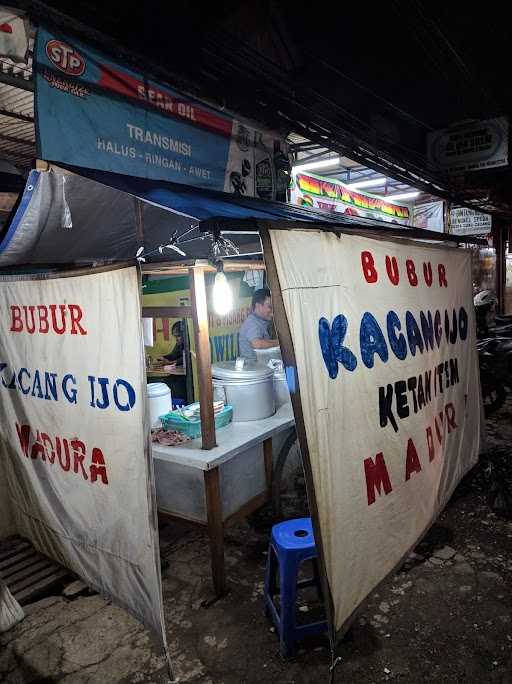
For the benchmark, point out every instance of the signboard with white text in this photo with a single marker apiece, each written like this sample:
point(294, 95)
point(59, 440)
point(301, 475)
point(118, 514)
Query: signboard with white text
point(465, 221)
point(384, 338)
point(472, 146)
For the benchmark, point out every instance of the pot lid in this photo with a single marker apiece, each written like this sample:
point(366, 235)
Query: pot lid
point(252, 370)
point(158, 389)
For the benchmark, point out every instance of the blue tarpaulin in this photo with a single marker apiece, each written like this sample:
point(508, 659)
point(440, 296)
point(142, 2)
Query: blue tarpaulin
point(204, 204)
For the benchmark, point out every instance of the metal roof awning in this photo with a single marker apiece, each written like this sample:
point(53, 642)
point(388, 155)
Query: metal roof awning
point(220, 211)
point(89, 216)
point(17, 127)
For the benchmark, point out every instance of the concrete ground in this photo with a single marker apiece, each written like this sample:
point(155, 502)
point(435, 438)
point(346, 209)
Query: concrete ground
point(445, 617)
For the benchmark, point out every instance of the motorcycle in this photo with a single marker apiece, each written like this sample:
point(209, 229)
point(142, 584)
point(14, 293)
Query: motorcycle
point(495, 356)
point(494, 344)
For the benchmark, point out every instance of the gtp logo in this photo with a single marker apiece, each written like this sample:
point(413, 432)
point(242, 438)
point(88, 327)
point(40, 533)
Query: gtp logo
point(65, 58)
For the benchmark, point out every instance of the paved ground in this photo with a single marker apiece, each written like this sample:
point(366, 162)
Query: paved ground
point(446, 617)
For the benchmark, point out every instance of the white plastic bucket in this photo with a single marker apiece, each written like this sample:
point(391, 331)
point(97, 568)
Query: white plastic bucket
point(160, 402)
point(281, 389)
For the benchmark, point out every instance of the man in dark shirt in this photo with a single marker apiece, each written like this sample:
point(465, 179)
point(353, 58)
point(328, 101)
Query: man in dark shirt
point(254, 332)
point(176, 353)
point(177, 380)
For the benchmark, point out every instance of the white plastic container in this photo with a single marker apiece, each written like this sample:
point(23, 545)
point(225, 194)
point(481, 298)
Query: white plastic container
point(281, 387)
point(160, 402)
point(249, 389)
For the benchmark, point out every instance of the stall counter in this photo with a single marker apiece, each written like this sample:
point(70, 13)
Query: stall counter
point(231, 441)
point(212, 487)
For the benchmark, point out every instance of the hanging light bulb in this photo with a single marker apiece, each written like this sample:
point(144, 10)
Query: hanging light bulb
point(222, 294)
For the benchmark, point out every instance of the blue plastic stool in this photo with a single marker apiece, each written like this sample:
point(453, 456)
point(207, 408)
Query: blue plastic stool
point(291, 543)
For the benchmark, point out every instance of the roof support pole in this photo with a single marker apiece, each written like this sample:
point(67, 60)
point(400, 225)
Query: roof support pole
point(203, 358)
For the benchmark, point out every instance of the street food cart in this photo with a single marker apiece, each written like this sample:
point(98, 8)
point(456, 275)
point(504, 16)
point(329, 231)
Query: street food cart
point(224, 473)
point(176, 231)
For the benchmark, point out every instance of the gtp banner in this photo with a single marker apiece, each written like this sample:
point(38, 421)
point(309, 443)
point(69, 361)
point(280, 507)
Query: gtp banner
point(95, 113)
point(384, 338)
point(328, 194)
point(73, 443)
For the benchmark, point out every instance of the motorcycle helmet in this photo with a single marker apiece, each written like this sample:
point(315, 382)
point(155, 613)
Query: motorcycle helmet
point(485, 298)
point(485, 310)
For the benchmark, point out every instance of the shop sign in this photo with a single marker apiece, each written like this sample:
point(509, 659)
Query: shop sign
point(384, 340)
point(465, 221)
point(98, 114)
point(429, 216)
point(327, 194)
point(74, 447)
point(470, 146)
point(13, 35)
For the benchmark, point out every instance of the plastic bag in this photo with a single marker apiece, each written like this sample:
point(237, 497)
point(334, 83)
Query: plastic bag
point(10, 610)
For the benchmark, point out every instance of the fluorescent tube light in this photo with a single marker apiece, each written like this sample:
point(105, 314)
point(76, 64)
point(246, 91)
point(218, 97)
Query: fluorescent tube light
point(366, 183)
point(402, 196)
point(322, 164)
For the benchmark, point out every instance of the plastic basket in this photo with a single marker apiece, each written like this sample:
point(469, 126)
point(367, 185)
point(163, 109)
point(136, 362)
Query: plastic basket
point(192, 428)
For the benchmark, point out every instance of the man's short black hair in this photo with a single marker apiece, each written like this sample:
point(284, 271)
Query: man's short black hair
point(260, 296)
point(177, 329)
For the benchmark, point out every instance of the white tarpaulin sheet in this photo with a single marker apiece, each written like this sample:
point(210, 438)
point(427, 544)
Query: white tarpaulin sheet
point(10, 610)
point(74, 443)
point(383, 333)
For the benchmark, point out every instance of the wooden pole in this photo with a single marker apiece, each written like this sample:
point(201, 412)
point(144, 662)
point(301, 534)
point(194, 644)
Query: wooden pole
point(269, 465)
point(215, 529)
point(498, 236)
point(290, 363)
point(204, 366)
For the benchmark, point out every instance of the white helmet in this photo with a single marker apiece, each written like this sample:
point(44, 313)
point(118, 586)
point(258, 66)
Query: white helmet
point(485, 298)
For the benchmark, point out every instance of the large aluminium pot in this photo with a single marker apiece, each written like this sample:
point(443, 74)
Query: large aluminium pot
point(249, 390)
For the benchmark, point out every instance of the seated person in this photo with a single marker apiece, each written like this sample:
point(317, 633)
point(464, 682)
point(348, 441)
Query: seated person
point(174, 359)
point(175, 356)
point(254, 333)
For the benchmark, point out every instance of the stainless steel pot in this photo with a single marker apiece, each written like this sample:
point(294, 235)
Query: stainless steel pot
point(249, 390)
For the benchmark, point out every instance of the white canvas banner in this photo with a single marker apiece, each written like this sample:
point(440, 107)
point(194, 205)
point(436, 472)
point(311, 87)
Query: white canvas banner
point(73, 443)
point(384, 339)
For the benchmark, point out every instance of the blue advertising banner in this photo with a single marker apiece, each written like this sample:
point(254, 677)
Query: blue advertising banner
point(95, 113)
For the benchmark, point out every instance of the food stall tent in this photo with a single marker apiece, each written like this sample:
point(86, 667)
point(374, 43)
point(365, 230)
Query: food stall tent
point(74, 217)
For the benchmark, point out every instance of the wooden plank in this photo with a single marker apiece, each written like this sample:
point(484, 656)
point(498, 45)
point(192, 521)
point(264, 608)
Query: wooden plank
point(269, 464)
point(42, 574)
point(215, 529)
point(26, 553)
point(33, 591)
point(182, 268)
point(11, 548)
point(166, 312)
point(252, 505)
point(25, 563)
point(289, 360)
point(170, 515)
point(40, 564)
point(204, 366)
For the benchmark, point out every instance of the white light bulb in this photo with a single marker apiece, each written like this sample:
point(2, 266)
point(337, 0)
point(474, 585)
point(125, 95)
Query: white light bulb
point(222, 295)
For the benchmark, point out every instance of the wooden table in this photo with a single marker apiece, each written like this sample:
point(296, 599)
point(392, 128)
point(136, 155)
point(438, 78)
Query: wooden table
point(165, 374)
point(234, 441)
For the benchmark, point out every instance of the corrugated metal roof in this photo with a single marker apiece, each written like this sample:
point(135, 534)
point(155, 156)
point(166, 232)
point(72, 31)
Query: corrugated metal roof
point(17, 130)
